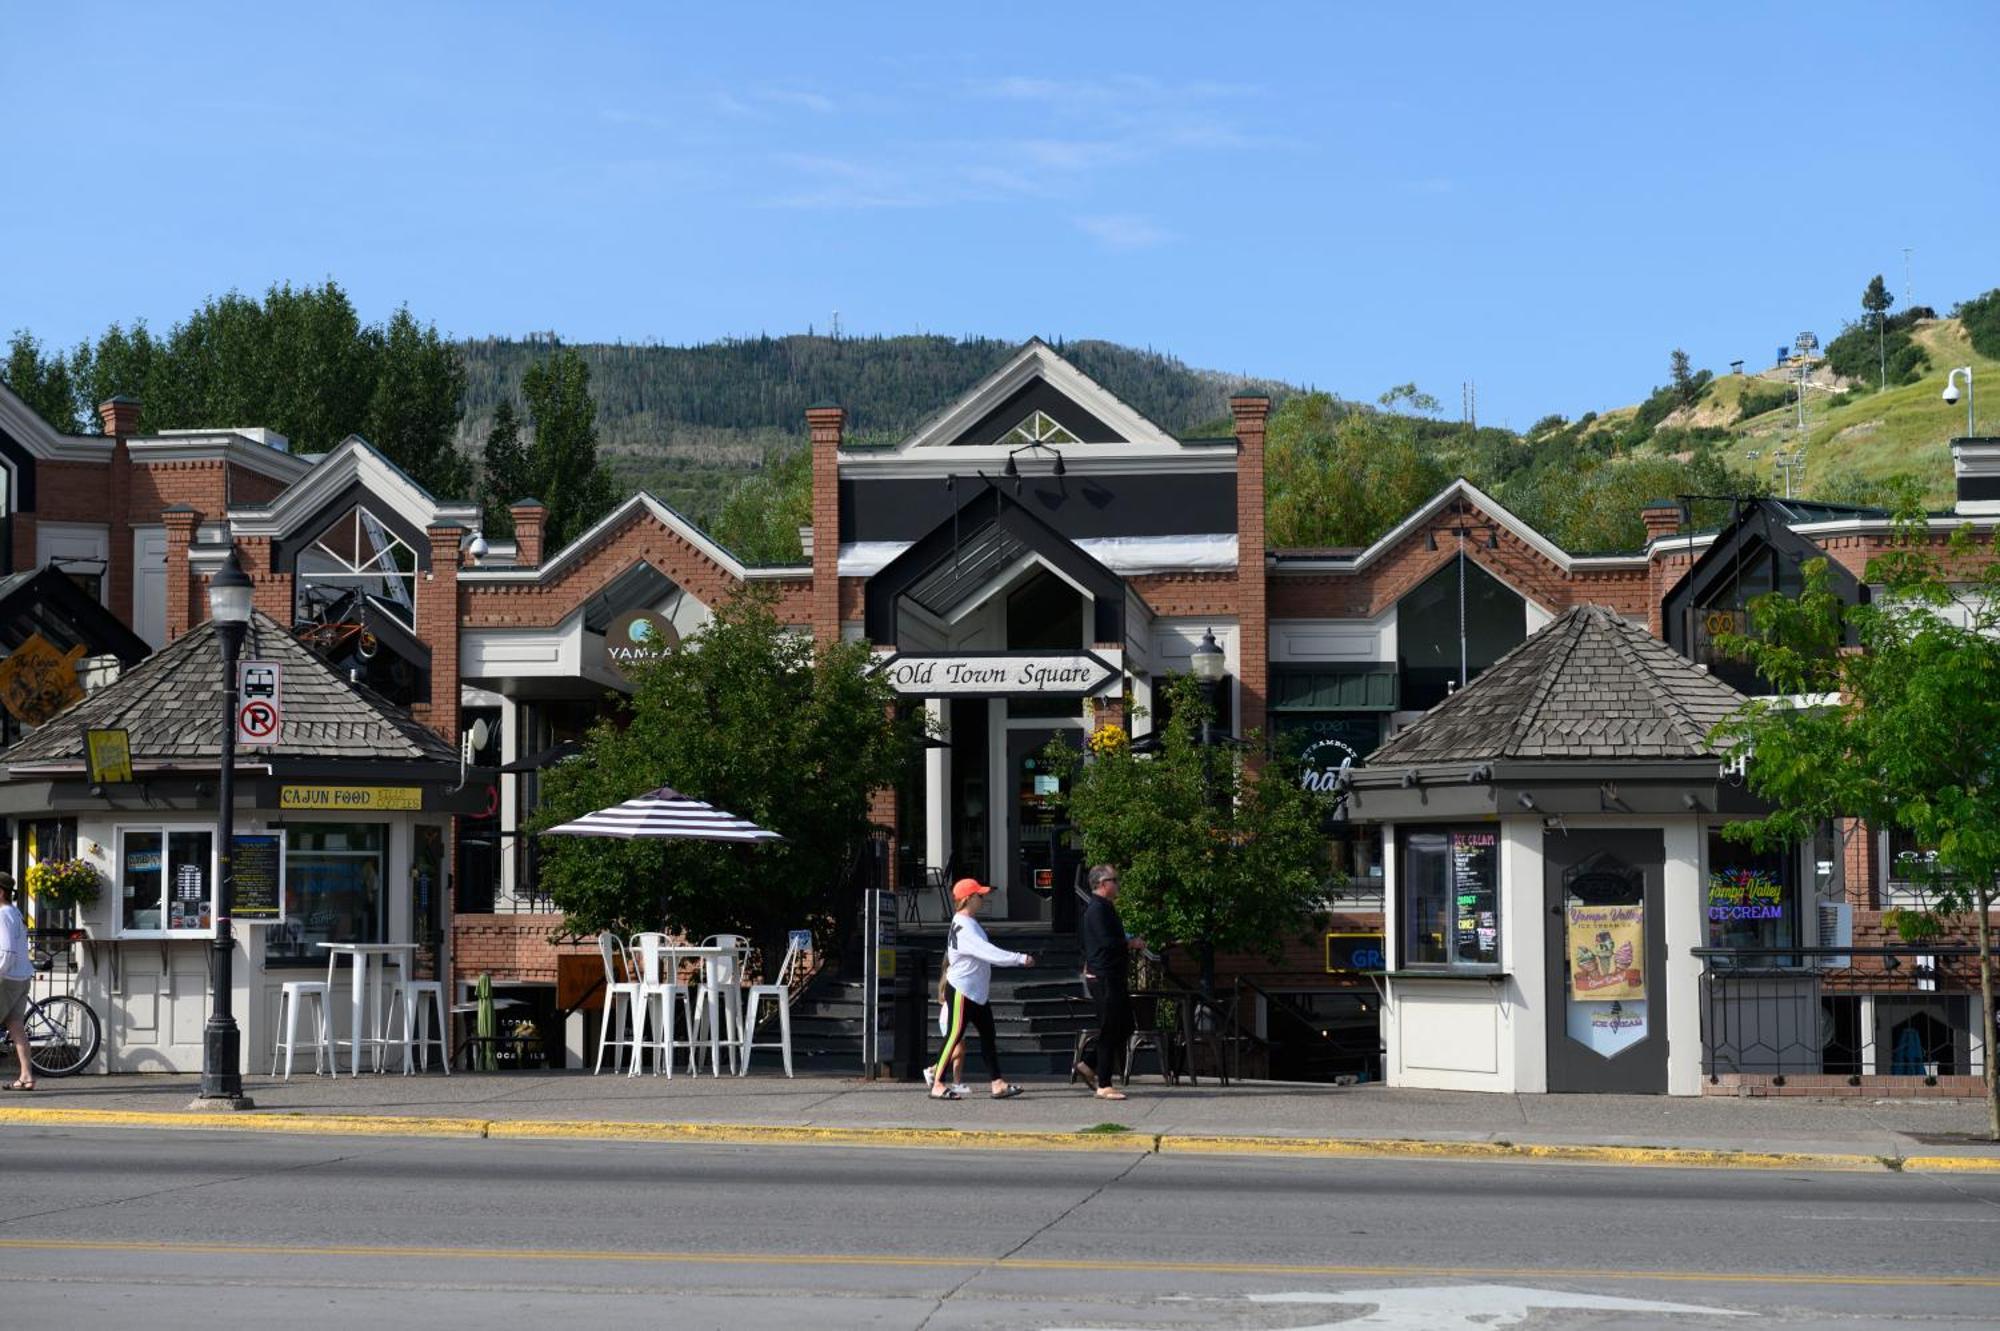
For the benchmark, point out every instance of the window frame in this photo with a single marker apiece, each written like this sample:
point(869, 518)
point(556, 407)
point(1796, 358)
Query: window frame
point(166, 831)
point(1405, 922)
point(293, 830)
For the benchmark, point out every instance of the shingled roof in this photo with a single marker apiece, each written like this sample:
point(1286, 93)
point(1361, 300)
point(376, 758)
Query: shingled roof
point(171, 705)
point(1588, 686)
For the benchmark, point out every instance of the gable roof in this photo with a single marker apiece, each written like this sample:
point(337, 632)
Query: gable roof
point(1589, 685)
point(1037, 360)
point(171, 707)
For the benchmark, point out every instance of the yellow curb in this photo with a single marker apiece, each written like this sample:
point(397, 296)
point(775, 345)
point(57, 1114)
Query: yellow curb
point(1401, 1148)
point(374, 1125)
point(741, 1134)
point(1964, 1164)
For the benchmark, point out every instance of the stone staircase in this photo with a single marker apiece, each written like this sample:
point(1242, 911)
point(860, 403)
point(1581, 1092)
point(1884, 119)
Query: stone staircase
point(1037, 1012)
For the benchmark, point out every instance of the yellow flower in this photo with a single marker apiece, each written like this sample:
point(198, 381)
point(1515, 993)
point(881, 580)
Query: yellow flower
point(1108, 739)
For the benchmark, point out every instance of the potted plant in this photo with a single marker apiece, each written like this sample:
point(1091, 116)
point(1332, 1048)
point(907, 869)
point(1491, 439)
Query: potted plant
point(61, 885)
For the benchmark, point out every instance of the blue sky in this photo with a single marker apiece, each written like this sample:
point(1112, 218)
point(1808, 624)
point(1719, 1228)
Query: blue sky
point(1543, 200)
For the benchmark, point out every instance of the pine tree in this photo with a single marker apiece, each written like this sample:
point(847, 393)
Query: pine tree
point(507, 478)
point(42, 381)
point(563, 464)
point(1685, 387)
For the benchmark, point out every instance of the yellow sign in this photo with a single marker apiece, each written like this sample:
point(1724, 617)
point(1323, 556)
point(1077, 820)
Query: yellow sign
point(350, 797)
point(110, 755)
point(1607, 949)
point(37, 681)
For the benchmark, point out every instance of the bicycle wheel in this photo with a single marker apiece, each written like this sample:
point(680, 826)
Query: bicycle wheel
point(62, 1035)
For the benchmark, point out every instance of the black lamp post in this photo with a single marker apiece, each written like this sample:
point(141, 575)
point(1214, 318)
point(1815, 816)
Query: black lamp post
point(1207, 664)
point(229, 593)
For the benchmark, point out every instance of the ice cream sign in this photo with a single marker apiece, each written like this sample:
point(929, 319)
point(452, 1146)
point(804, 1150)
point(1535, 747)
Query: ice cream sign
point(1745, 894)
point(1607, 953)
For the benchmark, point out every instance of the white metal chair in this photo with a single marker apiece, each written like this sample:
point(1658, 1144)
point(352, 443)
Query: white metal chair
point(719, 1004)
point(620, 994)
point(407, 1000)
point(290, 998)
point(659, 982)
point(781, 994)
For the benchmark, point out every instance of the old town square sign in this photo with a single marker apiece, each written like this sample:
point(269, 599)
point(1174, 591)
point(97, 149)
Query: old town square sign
point(998, 674)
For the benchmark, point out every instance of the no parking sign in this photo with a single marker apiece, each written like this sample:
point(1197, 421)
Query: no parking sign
point(260, 710)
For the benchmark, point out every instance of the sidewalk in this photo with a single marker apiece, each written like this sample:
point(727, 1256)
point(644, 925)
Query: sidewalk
point(1249, 1117)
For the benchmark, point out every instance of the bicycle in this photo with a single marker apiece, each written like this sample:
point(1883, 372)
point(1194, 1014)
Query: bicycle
point(63, 1030)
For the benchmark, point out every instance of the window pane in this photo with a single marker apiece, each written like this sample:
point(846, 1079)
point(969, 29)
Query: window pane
point(1427, 631)
point(139, 877)
point(1426, 892)
point(334, 876)
point(1751, 898)
point(191, 888)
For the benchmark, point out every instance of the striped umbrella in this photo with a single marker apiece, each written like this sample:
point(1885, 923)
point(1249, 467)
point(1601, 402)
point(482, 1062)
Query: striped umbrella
point(668, 815)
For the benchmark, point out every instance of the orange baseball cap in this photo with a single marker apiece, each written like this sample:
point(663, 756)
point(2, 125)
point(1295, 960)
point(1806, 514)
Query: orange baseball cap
point(966, 888)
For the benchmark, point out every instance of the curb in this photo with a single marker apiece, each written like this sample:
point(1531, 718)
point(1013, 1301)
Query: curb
point(1145, 1143)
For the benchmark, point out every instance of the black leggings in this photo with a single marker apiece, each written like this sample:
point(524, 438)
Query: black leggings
point(980, 1015)
point(1114, 1028)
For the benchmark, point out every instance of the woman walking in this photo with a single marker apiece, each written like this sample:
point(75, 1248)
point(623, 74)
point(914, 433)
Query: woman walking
point(970, 957)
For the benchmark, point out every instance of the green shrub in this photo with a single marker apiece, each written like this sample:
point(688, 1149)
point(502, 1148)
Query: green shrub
point(1981, 317)
point(1757, 401)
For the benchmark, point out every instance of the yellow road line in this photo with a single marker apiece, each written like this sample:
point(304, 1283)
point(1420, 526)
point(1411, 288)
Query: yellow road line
point(1003, 1264)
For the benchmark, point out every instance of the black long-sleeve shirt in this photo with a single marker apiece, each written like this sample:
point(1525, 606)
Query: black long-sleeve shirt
point(1105, 953)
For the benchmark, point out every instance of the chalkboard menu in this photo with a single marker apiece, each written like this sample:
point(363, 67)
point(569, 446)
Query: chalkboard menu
point(257, 870)
point(1475, 886)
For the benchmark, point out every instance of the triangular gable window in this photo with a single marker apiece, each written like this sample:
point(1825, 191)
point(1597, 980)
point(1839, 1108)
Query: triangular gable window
point(1039, 428)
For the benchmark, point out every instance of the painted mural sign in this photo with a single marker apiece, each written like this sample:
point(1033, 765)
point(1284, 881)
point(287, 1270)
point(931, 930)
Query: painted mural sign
point(998, 674)
point(1607, 949)
point(1745, 894)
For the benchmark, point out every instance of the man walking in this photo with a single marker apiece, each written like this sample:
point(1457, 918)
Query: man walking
point(1106, 971)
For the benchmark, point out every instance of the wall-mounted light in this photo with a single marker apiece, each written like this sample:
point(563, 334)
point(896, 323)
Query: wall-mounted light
point(1410, 779)
point(1526, 801)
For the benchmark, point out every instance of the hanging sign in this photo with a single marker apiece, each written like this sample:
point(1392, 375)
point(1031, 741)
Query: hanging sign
point(638, 636)
point(998, 674)
point(1607, 948)
point(260, 707)
point(37, 681)
point(109, 755)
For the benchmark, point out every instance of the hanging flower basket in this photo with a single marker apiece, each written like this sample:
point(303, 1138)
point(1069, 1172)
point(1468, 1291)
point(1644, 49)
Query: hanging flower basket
point(62, 884)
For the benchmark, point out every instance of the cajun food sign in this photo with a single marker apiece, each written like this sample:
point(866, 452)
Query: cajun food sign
point(1607, 950)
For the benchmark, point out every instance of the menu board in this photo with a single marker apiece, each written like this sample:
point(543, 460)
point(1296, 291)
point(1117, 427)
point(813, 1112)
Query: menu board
point(1475, 898)
point(257, 875)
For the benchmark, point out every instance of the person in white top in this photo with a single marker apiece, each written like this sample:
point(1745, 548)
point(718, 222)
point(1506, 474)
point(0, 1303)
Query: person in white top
point(17, 968)
point(970, 957)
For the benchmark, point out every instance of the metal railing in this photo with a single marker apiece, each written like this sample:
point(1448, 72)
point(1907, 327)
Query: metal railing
point(1910, 1010)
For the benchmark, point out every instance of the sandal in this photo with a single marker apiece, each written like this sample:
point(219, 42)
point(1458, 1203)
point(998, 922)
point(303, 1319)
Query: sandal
point(1008, 1093)
point(948, 1093)
point(1111, 1093)
point(19, 1085)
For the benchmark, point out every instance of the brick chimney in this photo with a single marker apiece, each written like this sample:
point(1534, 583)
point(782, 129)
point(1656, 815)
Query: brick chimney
point(531, 519)
point(824, 425)
point(120, 416)
point(1251, 412)
point(1662, 518)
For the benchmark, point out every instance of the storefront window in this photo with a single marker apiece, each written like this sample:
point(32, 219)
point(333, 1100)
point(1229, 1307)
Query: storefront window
point(1913, 872)
point(334, 876)
point(166, 880)
point(1752, 896)
point(1450, 898)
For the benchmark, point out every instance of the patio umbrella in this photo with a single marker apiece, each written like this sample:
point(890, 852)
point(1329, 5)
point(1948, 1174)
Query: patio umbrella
point(668, 815)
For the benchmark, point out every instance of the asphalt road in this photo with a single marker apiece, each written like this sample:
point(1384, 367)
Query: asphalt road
point(170, 1230)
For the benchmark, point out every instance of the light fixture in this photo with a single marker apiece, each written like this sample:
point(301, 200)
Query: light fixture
point(1059, 468)
point(1206, 660)
point(230, 592)
point(1525, 800)
point(477, 547)
point(1010, 469)
point(1951, 394)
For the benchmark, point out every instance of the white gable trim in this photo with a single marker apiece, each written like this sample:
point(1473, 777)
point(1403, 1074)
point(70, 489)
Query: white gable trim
point(1428, 513)
point(1037, 360)
point(44, 443)
point(575, 550)
point(355, 460)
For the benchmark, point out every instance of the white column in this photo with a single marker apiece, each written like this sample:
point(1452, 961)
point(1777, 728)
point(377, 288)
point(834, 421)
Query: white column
point(510, 799)
point(937, 784)
point(999, 794)
point(1526, 1006)
point(1686, 873)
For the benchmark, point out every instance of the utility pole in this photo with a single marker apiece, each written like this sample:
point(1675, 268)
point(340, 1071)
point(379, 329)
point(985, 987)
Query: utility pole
point(1906, 277)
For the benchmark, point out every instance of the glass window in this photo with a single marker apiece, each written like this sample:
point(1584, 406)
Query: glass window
point(334, 876)
point(1443, 625)
point(1752, 896)
point(166, 880)
point(1450, 896)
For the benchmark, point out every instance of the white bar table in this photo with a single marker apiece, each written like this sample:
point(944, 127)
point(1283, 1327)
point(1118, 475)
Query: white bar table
point(360, 993)
point(673, 955)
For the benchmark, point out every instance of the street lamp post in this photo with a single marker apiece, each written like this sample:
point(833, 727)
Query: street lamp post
point(229, 595)
point(1207, 663)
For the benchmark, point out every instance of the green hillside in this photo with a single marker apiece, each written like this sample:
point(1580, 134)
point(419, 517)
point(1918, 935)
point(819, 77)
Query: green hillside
point(689, 422)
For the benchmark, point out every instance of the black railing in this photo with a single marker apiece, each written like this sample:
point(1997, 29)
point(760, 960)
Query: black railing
point(1840, 1011)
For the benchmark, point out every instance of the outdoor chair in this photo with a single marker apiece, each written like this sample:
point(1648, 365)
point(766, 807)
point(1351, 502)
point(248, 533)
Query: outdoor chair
point(719, 1001)
point(408, 999)
point(1210, 1025)
point(780, 993)
point(1149, 1033)
point(659, 982)
point(621, 994)
point(294, 993)
point(1084, 1009)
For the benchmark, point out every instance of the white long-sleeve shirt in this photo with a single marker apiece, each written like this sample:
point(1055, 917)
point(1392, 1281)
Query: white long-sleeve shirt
point(15, 961)
point(970, 957)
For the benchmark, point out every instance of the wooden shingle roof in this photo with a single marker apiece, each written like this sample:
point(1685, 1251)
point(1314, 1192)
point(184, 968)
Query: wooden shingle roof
point(1590, 685)
point(171, 706)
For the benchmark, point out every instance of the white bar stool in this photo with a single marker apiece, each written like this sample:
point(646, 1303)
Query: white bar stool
point(290, 998)
point(660, 982)
point(621, 1002)
point(780, 994)
point(720, 1001)
point(419, 1036)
